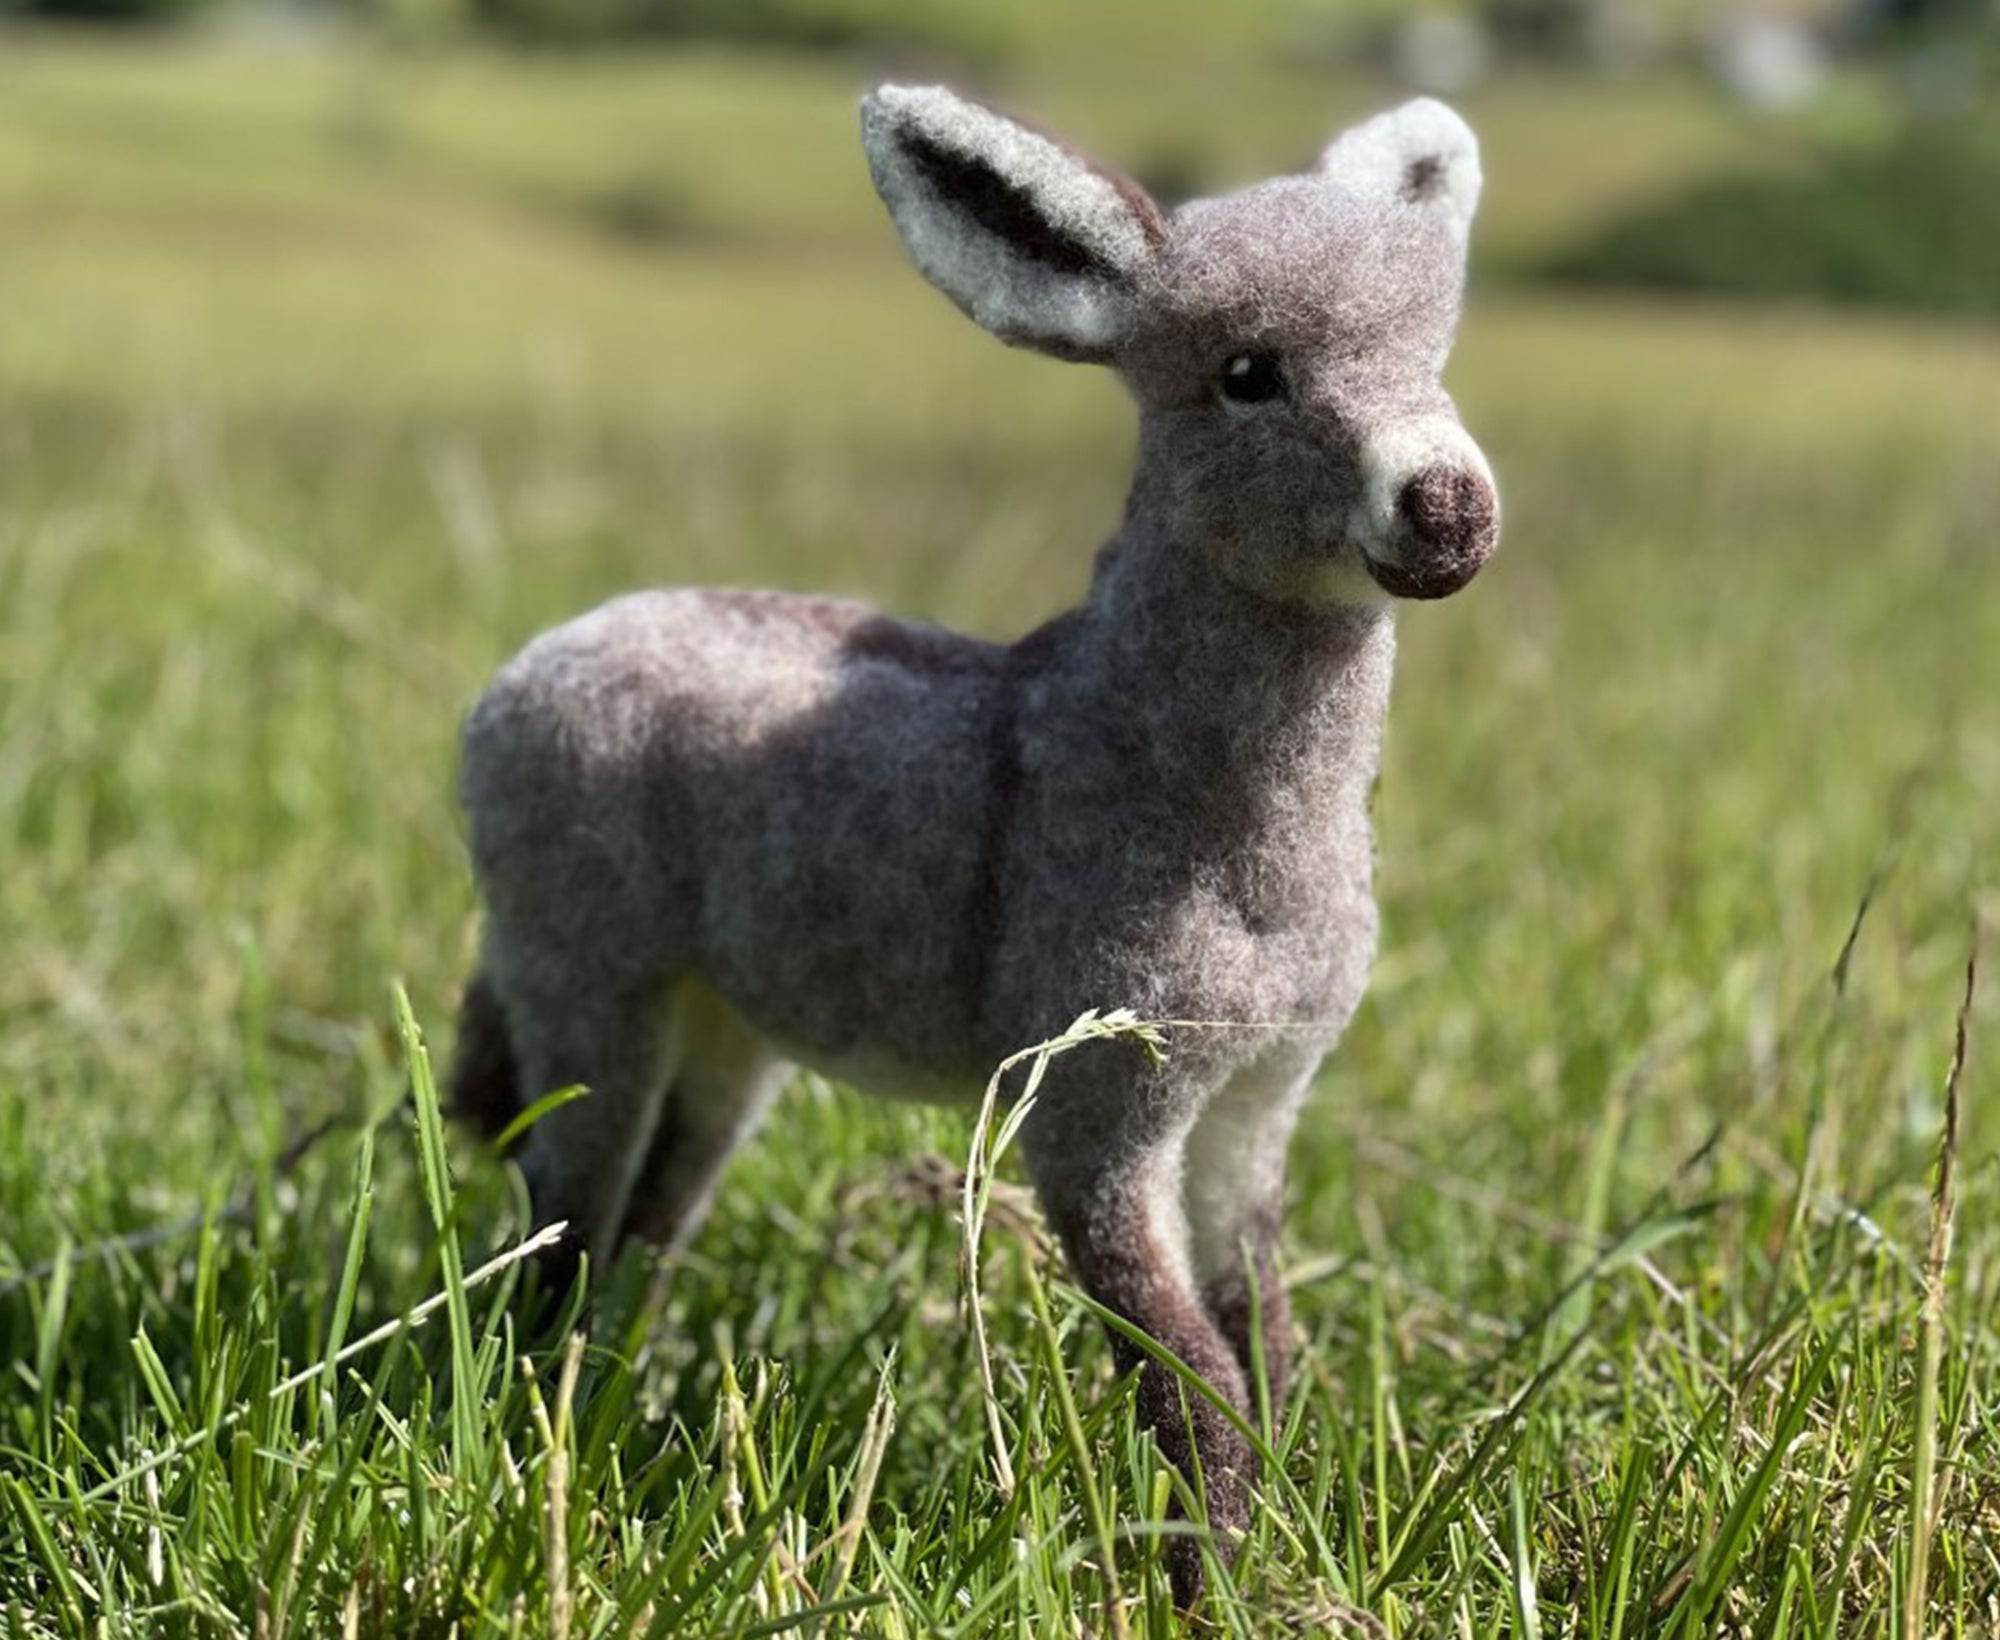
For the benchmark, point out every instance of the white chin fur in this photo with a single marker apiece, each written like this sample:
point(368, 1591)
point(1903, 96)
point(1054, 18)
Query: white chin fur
point(1342, 578)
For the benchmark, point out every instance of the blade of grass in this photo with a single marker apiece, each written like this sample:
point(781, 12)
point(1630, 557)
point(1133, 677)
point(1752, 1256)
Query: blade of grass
point(548, 1103)
point(36, 1529)
point(1079, 1449)
point(1527, 1609)
point(555, 1438)
point(48, 1339)
point(1924, 1499)
point(982, 1162)
point(875, 1433)
point(350, 1275)
point(467, 1445)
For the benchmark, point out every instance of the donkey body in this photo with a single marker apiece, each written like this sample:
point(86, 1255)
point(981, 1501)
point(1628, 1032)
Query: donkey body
point(723, 832)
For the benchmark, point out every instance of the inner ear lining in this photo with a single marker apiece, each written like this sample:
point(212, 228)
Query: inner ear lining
point(1423, 178)
point(1003, 208)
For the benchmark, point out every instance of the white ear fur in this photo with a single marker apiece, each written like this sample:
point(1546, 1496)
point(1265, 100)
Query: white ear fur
point(1422, 154)
point(1024, 235)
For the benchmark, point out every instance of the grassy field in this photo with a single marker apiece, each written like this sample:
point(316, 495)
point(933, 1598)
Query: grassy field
point(327, 379)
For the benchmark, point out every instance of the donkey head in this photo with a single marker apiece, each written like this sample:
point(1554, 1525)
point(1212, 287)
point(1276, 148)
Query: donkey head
point(1284, 343)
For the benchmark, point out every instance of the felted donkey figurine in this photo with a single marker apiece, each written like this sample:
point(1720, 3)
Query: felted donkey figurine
point(719, 832)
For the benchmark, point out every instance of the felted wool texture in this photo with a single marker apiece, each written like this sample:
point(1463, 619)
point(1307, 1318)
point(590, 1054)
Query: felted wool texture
point(1026, 288)
point(1422, 153)
point(719, 832)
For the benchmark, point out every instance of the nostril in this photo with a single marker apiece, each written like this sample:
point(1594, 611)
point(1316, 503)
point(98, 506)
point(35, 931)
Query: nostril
point(1451, 509)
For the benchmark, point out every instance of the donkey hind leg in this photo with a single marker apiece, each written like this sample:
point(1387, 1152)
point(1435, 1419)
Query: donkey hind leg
point(580, 1159)
point(1117, 1207)
point(1233, 1188)
point(727, 1078)
point(485, 1082)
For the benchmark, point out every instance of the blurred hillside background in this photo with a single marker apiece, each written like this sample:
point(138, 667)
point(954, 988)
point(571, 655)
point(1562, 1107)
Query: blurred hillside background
point(343, 346)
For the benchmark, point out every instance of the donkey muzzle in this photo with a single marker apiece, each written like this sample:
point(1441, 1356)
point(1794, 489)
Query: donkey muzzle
point(1448, 523)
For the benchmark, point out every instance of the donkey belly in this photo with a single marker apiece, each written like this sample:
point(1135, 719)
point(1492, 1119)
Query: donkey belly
point(843, 921)
point(844, 870)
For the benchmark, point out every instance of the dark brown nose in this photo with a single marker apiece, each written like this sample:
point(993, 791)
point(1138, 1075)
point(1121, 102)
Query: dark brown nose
point(1452, 512)
point(1454, 522)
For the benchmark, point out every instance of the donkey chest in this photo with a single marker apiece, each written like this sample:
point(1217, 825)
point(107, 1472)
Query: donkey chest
point(1174, 944)
point(1291, 955)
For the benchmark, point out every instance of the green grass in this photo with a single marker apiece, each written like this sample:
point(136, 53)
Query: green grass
point(323, 383)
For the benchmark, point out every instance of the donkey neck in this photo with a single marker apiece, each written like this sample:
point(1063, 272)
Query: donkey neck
point(1221, 696)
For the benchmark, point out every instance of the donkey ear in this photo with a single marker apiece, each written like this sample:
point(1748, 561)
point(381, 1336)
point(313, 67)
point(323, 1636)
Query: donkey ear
point(1030, 239)
point(1421, 154)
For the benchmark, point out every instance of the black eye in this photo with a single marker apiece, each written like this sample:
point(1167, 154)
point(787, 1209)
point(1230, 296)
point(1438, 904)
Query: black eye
point(1253, 378)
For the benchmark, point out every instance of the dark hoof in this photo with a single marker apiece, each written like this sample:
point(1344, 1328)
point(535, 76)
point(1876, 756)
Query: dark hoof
point(1185, 1572)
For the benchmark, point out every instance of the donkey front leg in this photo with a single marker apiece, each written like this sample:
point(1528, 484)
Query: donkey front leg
point(1234, 1189)
point(1115, 1200)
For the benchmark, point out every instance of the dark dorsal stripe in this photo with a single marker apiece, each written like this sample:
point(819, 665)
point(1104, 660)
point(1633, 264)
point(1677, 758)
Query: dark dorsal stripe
point(1001, 207)
point(1021, 662)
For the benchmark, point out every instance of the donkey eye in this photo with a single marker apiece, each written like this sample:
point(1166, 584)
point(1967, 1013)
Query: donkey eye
point(1252, 378)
